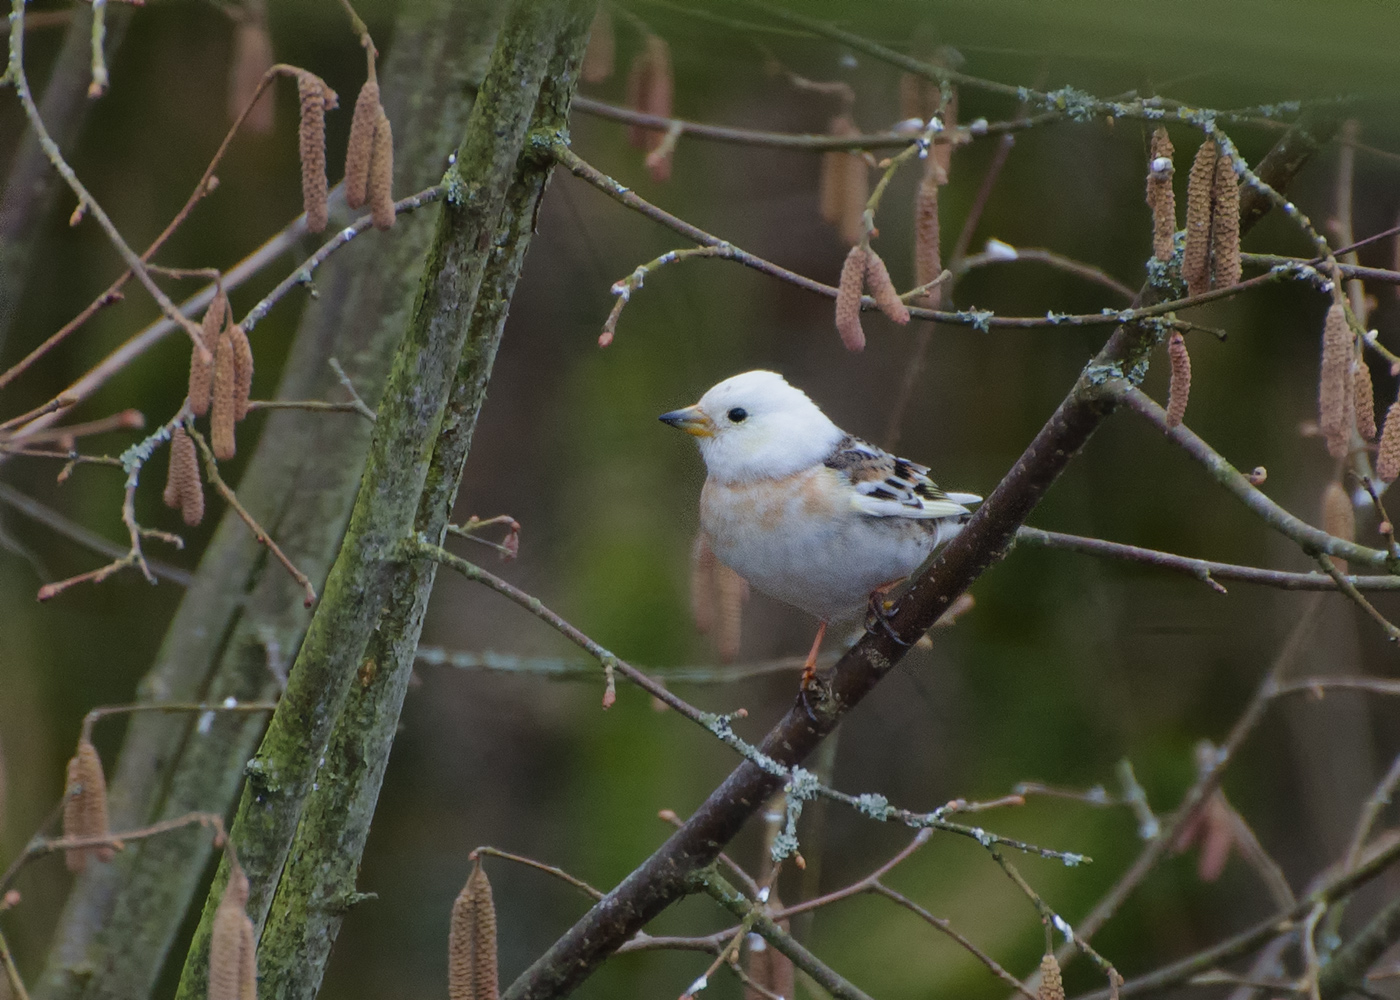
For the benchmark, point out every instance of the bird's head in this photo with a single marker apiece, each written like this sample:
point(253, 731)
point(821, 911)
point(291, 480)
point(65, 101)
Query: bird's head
point(756, 426)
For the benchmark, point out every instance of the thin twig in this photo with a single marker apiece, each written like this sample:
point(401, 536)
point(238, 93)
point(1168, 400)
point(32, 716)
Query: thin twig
point(1347, 587)
point(558, 873)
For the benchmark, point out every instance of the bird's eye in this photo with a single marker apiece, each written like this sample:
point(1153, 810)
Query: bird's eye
point(738, 415)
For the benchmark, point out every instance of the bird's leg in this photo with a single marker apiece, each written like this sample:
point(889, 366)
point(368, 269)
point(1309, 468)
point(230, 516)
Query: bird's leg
point(879, 612)
point(809, 668)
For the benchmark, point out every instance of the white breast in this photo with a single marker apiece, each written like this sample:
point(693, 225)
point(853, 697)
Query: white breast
point(801, 539)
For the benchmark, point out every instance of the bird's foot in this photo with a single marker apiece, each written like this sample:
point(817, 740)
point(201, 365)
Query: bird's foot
point(877, 612)
point(809, 666)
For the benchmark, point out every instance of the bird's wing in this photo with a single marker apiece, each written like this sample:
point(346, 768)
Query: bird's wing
point(887, 486)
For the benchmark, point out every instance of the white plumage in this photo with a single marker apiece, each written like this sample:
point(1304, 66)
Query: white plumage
point(804, 511)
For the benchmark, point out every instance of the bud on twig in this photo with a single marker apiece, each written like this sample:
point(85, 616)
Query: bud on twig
point(1180, 389)
point(471, 943)
point(877, 279)
point(183, 489)
point(85, 805)
point(1160, 195)
point(848, 299)
point(1334, 391)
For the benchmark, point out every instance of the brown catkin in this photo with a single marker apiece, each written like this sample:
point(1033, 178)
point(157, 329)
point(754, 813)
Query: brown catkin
point(1334, 403)
point(848, 299)
point(183, 488)
point(242, 371)
point(1363, 396)
point(833, 171)
point(1052, 987)
point(928, 261)
point(877, 279)
point(1338, 518)
point(381, 175)
point(1225, 225)
point(1161, 196)
point(1180, 389)
point(1195, 261)
point(201, 377)
point(471, 942)
point(731, 590)
point(230, 941)
point(85, 805)
point(703, 598)
point(1388, 453)
point(312, 148)
point(599, 58)
point(224, 408)
point(248, 969)
point(649, 89)
point(252, 57)
point(361, 145)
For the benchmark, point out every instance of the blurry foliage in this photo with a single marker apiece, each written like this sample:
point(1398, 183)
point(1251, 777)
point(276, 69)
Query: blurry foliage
point(1064, 667)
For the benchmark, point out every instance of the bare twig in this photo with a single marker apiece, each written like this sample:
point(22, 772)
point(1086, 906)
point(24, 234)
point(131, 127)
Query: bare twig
point(558, 873)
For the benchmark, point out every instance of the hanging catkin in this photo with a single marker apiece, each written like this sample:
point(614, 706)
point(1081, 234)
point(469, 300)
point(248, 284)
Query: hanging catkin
point(848, 299)
point(201, 371)
point(877, 279)
point(1334, 391)
point(928, 262)
point(1388, 453)
point(232, 946)
point(835, 163)
point(1338, 518)
point(361, 145)
point(599, 57)
point(381, 175)
point(1363, 396)
point(183, 490)
point(1225, 225)
point(224, 407)
point(1160, 195)
point(731, 590)
point(1195, 261)
point(316, 98)
point(471, 942)
point(242, 371)
point(1180, 389)
point(85, 805)
point(252, 57)
point(650, 89)
point(1052, 986)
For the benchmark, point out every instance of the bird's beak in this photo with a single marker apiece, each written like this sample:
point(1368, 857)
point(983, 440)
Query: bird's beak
point(692, 420)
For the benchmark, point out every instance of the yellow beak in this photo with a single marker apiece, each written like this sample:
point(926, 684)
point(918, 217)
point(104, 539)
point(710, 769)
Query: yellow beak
point(691, 420)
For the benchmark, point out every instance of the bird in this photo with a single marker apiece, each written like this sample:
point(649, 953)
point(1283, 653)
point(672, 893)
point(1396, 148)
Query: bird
point(804, 511)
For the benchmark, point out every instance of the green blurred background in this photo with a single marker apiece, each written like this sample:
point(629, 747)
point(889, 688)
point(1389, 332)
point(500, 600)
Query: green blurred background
point(1065, 666)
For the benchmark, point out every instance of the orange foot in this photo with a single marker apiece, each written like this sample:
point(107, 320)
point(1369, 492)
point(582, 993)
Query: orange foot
point(809, 668)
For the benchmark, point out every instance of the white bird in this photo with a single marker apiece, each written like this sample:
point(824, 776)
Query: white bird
point(804, 511)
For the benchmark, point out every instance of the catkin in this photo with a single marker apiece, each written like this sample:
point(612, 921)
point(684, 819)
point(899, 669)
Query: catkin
point(471, 942)
point(877, 279)
point(201, 376)
point(183, 489)
point(1052, 987)
point(703, 598)
point(1195, 261)
point(225, 406)
point(1388, 454)
point(649, 90)
point(85, 805)
point(731, 590)
point(928, 261)
point(1338, 518)
point(1363, 395)
point(600, 56)
point(252, 57)
point(1225, 225)
point(1180, 389)
point(232, 948)
point(845, 185)
point(848, 299)
point(361, 145)
point(1160, 195)
point(1334, 402)
point(242, 371)
point(313, 93)
point(381, 175)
